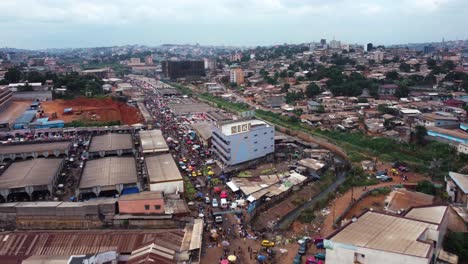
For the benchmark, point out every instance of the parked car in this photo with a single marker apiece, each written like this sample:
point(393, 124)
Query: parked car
point(268, 243)
point(207, 200)
point(297, 259)
point(319, 245)
point(385, 178)
point(320, 256)
point(302, 248)
point(218, 219)
point(215, 203)
point(403, 169)
point(381, 173)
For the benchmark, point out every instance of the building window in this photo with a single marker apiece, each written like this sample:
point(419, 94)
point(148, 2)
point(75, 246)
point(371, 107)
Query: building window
point(255, 149)
point(255, 135)
point(264, 133)
point(147, 207)
point(255, 142)
point(157, 207)
point(246, 137)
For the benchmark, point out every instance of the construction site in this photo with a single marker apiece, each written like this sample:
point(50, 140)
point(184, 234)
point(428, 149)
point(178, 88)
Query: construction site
point(92, 110)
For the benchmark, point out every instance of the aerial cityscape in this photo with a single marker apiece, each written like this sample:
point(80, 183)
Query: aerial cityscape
point(200, 132)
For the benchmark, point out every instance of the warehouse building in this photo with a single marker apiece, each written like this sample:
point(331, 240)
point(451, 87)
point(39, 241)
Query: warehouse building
point(163, 174)
point(25, 151)
point(152, 141)
point(384, 238)
point(108, 176)
point(23, 121)
point(111, 144)
point(28, 180)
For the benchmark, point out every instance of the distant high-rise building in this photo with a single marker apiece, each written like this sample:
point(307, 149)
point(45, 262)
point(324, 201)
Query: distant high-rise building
point(335, 44)
point(370, 46)
point(235, 57)
point(377, 56)
point(323, 42)
point(429, 49)
point(237, 75)
point(182, 69)
point(149, 60)
point(210, 64)
point(135, 60)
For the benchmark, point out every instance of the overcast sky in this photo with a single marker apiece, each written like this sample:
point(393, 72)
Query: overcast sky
point(89, 23)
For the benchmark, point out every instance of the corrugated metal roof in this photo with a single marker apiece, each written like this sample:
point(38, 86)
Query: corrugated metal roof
point(24, 244)
point(32, 172)
point(109, 171)
point(111, 142)
point(162, 168)
point(22, 148)
point(153, 141)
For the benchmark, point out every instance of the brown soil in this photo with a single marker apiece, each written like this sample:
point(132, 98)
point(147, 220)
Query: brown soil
point(91, 109)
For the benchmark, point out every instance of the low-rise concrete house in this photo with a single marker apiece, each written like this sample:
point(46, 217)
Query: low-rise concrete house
point(457, 188)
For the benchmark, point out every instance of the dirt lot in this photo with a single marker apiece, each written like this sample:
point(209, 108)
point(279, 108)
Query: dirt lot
point(99, 110)
point(14, 111)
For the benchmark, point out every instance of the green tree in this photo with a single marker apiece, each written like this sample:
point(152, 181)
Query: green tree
point(285, 88)
point(283, 74)
point(457, 243)
point(320, 109)
point(448, 65)
point(431, 63)
point(402, 91)
point(426, 187)
point(312, 90)
point(420, 134)
point(405, 67)
point(392, 75)
point(13, 75)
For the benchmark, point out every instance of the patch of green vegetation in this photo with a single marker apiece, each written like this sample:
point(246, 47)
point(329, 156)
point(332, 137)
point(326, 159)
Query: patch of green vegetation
point(266, 171)
point(381, 191)
point(224, 104)
point(457, 243)
point(77, 123)
point(183, 89)
point(244, 174)
point(306, 216)
point(419, 158)
point(190, 191)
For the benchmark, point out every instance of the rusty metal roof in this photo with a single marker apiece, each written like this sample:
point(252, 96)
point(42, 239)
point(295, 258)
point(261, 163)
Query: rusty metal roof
point(25, 244)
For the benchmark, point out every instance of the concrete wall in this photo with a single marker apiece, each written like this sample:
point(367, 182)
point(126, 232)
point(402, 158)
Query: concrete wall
point(342, 253)
point(138, 206)
point(168, 187)
point(246, 146)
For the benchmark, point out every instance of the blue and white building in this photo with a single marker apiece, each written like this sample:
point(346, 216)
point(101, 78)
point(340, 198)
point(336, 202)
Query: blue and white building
point(237, 142)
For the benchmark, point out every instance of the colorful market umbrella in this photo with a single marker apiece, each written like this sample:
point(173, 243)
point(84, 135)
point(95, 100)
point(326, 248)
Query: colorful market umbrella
point(211, 173)
point(225, 243)
point(224, 261)
point(217, 189)
point(232, 258)
point(223, 194)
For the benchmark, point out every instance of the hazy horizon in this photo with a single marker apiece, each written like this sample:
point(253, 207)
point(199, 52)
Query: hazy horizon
point(42, 24)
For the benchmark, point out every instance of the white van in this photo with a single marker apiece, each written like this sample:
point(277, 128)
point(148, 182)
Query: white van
point(224, 203)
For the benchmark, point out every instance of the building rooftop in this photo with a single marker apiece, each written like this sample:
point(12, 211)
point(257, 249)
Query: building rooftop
point(21, 245)
point(402, 199)
point(434, 116)
point(141, 196)
point(109, 171)
point(432, 214)
point(387, 233)
point(457, 133)
point(153, 141)
point(312, 164)
point(111, 142)
point(236, 127)
point(34, 172)
point(203, 129)
point(162, 168)
point(41, 147)
point(461, 180)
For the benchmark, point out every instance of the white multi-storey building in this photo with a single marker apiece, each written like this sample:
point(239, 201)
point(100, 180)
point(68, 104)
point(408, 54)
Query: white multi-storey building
point(236, 142)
